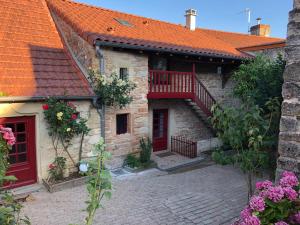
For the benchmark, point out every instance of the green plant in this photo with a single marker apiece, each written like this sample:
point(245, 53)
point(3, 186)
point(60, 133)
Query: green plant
point(112, 90)
point(56, 169)
point(244, 129)
point(99, 182)
point(259, 80)
point(10, 209)
point(64, 122)
point(132, 161)
point(146, 149)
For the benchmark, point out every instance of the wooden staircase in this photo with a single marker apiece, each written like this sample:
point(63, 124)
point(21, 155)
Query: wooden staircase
point(182, 85)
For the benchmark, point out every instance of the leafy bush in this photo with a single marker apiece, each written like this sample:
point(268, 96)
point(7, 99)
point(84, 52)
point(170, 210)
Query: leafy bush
point(112, 90)
point(259, 80)
point(56, 169)
point(132, 161)
point(146, 149)
point(274, 205)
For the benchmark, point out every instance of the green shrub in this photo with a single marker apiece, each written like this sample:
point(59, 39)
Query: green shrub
point(132, 161)
point(146, 149)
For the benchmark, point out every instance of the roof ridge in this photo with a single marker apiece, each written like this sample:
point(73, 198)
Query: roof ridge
point(237, 33)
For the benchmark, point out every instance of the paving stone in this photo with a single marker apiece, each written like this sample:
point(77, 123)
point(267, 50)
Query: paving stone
point(210, 195)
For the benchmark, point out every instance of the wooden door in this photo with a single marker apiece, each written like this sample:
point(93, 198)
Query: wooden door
point(22, 157)
point(160, 129)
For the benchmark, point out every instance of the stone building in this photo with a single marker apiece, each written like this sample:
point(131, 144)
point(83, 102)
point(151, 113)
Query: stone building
point(289, 138)
point(180, 71)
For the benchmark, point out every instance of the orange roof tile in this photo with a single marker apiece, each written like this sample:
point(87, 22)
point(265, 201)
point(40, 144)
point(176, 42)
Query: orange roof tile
point(33, 61)
point(239, 40)
point(95, 23)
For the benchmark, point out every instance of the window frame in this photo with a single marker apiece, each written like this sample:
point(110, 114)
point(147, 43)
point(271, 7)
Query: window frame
point(125, 124)
point(123, 76)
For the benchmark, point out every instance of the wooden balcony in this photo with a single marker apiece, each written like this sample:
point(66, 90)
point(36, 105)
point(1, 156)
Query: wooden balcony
point(179, 85)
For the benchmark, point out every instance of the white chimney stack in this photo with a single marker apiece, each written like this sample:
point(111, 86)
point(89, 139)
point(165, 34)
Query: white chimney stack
point(190, 15)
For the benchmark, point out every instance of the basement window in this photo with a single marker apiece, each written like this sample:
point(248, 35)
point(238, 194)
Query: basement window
point(122, 121)
point(123, 73)
point(124, 22)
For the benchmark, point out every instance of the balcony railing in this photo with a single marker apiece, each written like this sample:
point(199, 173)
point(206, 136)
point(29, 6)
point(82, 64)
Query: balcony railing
point(180, 85)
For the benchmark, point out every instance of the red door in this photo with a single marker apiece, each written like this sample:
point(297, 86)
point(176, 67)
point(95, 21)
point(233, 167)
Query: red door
point(22, 156)
point(160, 129)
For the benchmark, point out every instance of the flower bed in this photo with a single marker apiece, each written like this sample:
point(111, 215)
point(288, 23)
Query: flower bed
point(274, 204)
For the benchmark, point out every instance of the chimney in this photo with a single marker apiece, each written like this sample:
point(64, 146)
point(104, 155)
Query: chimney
point(260, 29)
point(190, 17)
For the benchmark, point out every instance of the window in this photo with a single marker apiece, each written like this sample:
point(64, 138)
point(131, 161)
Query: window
point(123, 73)
point(122, 123)
point(124, 22)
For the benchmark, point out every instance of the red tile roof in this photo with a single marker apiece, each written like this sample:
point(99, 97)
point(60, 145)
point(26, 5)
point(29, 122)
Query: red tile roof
point(95, 23)
point(239, 40)
point(33, 60)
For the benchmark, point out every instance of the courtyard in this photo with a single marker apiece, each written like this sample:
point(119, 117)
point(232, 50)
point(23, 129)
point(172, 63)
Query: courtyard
point(209, 194)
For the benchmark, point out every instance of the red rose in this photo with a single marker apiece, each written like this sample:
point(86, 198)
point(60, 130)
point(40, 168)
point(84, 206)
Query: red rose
point(74, 116)
point(45, 107)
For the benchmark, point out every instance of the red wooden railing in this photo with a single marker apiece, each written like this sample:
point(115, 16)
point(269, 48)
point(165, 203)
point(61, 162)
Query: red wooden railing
point(183, 146)
point(170, 84)
point(184, 85)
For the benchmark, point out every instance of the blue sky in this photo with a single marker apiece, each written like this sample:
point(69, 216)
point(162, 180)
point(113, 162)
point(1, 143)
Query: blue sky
point(213, 14)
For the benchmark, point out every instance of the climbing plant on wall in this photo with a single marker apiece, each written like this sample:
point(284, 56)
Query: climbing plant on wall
point(64, 123)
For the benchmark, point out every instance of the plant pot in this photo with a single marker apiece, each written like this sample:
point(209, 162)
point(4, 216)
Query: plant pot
point(62, 185)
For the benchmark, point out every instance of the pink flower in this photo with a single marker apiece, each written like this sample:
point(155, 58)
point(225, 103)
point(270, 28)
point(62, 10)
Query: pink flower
point(45, 107)
point(246, 213)
point(290, 193)
point(288, 179)
point(8, 135)
point(257, 203)
point(51, 166)
point(288, 173)
point(74, 116)
point(281, 223)
point(251, 220)
point(295, 218)
point(275, 193)
point(263, 185)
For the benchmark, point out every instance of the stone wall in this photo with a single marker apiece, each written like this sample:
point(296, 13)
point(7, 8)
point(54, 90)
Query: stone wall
point(137, 65)
point(182, 120)
point(81, 50)
point(213, 83)
point(45, 153)
point(271, 53)
point(289, 140)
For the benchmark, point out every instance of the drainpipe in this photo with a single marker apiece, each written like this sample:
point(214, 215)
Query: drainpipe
point(100, 106)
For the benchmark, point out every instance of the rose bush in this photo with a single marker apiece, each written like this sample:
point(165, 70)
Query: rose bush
point(274, 204)
point(10, 209)
point(64, 123)
point(111, 90)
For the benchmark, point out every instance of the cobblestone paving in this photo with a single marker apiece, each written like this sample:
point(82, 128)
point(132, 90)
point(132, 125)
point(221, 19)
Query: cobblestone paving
point(211, 195)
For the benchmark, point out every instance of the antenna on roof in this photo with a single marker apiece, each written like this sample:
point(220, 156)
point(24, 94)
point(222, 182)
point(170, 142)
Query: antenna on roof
point(248, 13)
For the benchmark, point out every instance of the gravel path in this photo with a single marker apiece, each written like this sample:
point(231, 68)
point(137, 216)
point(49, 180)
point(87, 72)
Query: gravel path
point(209, 195)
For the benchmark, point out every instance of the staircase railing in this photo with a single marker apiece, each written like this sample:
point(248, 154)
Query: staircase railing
point(203, 98)
point(175, 84)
